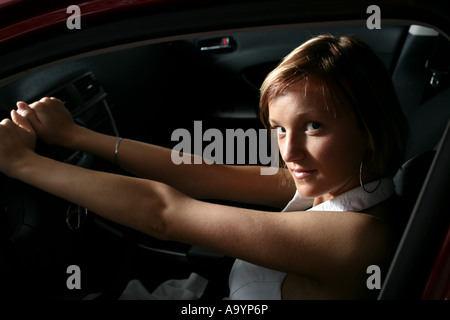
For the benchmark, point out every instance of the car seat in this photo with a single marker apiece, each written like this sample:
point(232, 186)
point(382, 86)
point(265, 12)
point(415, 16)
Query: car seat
point(423, 182)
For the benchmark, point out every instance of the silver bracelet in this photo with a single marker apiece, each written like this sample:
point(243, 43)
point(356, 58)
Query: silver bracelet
point(116, 151)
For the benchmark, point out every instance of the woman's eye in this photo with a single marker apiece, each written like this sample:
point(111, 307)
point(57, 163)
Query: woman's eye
point(281, 130)
point(312, 126)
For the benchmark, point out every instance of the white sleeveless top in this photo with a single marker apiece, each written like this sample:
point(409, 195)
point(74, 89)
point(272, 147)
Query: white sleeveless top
point(252, 282)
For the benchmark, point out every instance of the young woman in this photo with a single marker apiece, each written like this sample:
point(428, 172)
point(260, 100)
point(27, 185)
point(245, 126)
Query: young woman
point(341, 136)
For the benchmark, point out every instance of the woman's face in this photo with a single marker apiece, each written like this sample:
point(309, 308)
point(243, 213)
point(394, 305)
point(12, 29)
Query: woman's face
point(322, 148)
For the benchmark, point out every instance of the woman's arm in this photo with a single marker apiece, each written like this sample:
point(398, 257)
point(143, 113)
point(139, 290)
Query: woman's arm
point(303, 243)
point(265, 238)
point(201, 181)
point(53, 123)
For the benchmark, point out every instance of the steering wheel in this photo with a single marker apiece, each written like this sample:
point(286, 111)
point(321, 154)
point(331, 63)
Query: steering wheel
point(20, 211)
point(22, 206)
point(33, 222)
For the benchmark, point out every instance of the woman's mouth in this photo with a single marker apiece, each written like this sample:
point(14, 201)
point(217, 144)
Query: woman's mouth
point(302, 174)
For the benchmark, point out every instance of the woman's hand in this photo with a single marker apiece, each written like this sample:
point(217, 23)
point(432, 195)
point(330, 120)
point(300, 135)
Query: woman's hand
point(51, 121)
point(17, 141)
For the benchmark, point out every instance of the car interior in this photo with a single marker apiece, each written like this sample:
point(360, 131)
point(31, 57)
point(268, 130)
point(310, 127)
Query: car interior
point(147, 89)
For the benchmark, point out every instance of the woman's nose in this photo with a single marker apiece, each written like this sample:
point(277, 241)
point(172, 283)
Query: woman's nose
point(292, 148)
